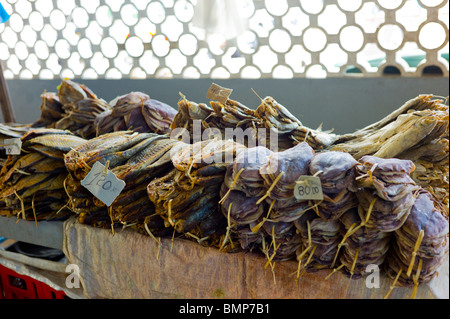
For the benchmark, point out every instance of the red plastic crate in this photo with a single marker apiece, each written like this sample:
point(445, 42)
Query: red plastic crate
point(16, 286)
point(1, 290)
point(47, 292)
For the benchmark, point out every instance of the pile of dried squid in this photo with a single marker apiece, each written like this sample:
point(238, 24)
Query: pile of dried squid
point(417, 131)
point(77, 108)
point(338, 232)
point(385, 186)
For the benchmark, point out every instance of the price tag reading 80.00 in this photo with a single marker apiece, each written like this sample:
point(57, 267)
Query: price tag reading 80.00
point(308, 188)
point(103, 185)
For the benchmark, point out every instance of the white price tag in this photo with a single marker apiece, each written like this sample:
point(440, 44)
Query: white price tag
point(218, 93)
point(12, 146)
point(308, 187)
point(103, 185)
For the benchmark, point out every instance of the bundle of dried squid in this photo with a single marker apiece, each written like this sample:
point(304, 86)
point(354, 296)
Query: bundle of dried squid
point(136, 158)
point(239, 208)
point(135, 112)
point(336, 171)
point(81, 106)
point(244, 175)
point(420, 244)
point(416, 131)
point(363, 245)
point(51, 111)
point(240, 192)
point(387, 192)
point(280, 174)
point(281, 241)
point(320, 240)
point(257, 197)
point(31, 184)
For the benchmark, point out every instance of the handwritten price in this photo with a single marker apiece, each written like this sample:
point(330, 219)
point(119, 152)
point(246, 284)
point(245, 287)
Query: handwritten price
point(99, 179)
point(103, 184)
point(12, 146)
point(308, 188)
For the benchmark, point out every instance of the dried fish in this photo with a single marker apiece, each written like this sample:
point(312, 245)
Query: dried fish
point(32, 183)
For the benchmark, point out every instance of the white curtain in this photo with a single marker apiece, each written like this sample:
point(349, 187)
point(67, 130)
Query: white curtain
point(219, 16)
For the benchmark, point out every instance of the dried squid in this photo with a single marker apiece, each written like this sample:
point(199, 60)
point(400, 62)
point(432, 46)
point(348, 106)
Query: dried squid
point(387, 191)
point(416, 131)
point(362, 245)
point(136, 112)
point(336, 171)
point(320, 240)
point(420, 244)
point(280, 175)
point(81, 106)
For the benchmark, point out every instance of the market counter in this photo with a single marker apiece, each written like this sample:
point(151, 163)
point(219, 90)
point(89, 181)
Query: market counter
point(130, 265)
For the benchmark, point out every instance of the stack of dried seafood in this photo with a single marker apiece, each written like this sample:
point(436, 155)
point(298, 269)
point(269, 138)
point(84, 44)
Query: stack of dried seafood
point(241, 190)
point(336, 171)
point(51, 111)
point(270, 125)
point(219, 116)
point(289, 129)
point(244, 175)
point(242, 214)
point(420, 244)
point(31, 184)
point(135, 158)
point(320, 240)
point(187, 198)
point(417, 131)
point(281, 241)
point(77, 109)
point(387, 191)
point(81, 106)
point(258, 200)
point(363, 245)
point(135, 112)
point(280, 175)
point(385, 195)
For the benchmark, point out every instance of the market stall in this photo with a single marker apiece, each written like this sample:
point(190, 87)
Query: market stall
point(194, 205)
point(233, 185)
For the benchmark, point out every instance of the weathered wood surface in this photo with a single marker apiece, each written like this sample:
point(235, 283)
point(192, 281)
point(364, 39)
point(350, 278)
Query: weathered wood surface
point(131, 265)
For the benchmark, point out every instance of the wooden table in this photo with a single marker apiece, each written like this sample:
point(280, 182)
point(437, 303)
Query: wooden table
point(130, 265)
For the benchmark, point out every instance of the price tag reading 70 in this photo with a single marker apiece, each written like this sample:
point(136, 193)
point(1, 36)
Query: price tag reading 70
point(103, 185)
point(12, 146)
